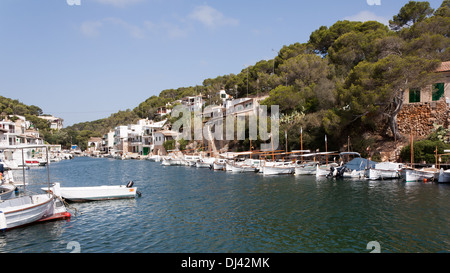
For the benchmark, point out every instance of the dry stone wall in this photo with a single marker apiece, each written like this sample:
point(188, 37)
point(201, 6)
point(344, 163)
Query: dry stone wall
point(420, 117)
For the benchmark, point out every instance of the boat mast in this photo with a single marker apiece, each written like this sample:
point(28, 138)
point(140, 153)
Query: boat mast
point(326, 151)
point(285, 136)
point(301, 141)
point(23, 170)
point(48, 170)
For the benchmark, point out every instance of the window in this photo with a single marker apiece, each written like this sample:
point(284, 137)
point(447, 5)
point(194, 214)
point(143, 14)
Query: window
point(414, 95)
point(437, 91)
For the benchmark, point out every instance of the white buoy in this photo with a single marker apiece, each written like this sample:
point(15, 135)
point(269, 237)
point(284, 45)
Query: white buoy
point(3, 224)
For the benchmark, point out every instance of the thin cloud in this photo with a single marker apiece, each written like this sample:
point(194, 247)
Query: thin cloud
point(92, 28)
point(212, 18)
point(172, 30)
point(365, 16)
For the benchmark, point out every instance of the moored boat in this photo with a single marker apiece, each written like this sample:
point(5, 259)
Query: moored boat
point(384, 170)
point(25, 210)
point(7, 191)
point(444, 176)
point(278, 170)
point(306, 169)
point(416, 175)
point(94, 193)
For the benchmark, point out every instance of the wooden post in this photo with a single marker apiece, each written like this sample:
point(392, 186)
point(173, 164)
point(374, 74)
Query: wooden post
point(412, 150)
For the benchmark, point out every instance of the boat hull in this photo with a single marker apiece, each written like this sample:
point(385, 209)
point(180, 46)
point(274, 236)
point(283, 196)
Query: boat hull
point(308, 170)
point(444, 177)
point(27, 209)
point(377, 174)
point(218, 166)
point(7, 191)
point(202, 165)
point(84, 194)
point(411, 175)
point(278, 170)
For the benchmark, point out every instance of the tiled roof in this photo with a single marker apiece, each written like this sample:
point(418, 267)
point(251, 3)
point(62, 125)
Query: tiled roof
point(445, 66)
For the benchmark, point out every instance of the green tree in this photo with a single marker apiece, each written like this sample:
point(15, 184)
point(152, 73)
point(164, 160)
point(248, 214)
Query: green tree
point(285, 96)
point(378, 88)
point(411, 13)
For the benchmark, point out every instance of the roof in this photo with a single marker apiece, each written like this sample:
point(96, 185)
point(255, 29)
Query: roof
point(444, 67)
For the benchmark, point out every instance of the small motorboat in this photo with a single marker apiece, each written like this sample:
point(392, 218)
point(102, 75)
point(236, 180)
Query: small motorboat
point(94, 193)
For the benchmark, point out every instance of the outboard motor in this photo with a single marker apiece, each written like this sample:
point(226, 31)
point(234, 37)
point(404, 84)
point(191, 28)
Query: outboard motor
point(130, 184)
point(331, 174)
point(341, 171)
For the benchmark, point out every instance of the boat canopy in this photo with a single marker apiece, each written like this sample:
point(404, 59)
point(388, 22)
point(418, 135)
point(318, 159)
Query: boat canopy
point(360, 163)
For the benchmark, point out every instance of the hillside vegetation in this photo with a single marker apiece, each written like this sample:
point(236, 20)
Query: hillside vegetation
point(347, 81)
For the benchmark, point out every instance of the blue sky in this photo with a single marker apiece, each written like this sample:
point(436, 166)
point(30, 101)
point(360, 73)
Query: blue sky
point(85, 62)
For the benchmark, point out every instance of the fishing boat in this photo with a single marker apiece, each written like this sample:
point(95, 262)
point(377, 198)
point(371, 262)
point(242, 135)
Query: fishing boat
point(240, 167)
point(94, 193)
point(325, 170)
point(203, 163)
point(7, 191)
point(171, 161)
point(424, 174)
point(278, 169)
point(411, 174)
point(219, 164)
point(308, 168)
point(24, 210)
point(28, 209)
point(444, 176)
point(384, 170)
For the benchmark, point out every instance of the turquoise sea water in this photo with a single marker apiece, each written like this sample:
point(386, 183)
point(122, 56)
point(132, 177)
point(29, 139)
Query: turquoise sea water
point(189, 210)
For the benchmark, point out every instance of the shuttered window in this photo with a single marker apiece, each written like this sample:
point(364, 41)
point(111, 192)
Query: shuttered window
point(414, 95)
point(438, 91)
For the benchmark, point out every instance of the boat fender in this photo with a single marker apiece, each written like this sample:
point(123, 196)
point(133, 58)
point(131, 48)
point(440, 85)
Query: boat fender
point(130, 184)
point(3, 224)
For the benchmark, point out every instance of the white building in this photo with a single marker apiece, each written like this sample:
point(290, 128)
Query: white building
point(194, 103)
point(55, 123)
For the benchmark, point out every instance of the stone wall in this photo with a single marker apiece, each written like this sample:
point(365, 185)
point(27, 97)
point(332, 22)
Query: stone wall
point(420, 117)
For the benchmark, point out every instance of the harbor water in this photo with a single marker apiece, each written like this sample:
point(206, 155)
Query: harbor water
point(188, 210)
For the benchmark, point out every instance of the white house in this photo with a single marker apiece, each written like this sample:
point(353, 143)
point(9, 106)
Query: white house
point(55, 123)
point(194, 103)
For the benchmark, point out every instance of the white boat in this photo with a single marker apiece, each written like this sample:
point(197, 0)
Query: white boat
point(94, 193)
point(7, 191)
point(444, 176)
point(306, 169)
point(154, 158)
point(416, 175)
point(324, 170)
point(384, 170)
point(219, 164)
point(202, 164)
point(25, 210)
point(170, 161)
point(240, 168)
point(278, 170)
